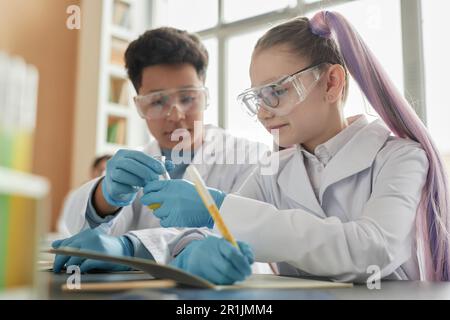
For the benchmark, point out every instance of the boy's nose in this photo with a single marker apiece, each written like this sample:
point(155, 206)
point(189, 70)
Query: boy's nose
point(175, 113)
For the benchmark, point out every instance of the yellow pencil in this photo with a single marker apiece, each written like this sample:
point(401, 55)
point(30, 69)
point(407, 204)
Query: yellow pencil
point(210, 204)
point(164, 176)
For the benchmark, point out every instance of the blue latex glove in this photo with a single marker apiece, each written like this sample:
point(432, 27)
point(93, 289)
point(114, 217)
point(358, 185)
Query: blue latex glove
point(181, 205)
point(94, 240)
point(216, 260)
point(126, 171)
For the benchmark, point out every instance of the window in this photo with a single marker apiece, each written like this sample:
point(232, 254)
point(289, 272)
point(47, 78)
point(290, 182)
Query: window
point(237, 9)
point(238, 121)
point(184, 14)
point(230, 29)
point(211, 115)
point(436, 52)
point(379, 24)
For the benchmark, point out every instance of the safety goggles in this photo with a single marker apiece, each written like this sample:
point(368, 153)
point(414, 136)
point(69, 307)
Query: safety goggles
point(159, 104)
point(281, 96)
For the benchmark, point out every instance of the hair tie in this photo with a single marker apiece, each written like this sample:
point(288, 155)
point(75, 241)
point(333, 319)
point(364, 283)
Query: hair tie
point(319, 26)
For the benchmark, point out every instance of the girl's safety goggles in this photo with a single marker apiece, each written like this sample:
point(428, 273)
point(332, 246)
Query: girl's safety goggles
point(159, 104)
point(281, 96)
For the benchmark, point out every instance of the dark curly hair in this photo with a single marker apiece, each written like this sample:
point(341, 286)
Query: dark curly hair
point(165, 46)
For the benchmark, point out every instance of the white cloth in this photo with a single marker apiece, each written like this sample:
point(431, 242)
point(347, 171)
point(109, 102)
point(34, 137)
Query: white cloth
point(364, 214)
point(316, 163)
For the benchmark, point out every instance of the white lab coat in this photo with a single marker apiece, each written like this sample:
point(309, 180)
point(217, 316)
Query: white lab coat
point(363, 219)
point(211, 161)
point(364, 215)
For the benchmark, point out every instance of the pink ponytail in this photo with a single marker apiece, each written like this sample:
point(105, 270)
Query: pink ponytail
point(432, 214)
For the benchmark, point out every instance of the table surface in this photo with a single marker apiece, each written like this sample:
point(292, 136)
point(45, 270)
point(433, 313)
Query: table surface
point(388, 290)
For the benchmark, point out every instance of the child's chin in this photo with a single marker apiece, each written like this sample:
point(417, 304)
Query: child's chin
point(285, 143)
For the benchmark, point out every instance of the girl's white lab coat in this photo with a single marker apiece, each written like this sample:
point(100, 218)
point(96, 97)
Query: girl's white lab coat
point(363, 219)
point(217, 150)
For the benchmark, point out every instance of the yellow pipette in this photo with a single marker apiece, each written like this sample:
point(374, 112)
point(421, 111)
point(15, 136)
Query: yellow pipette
point(164, 176)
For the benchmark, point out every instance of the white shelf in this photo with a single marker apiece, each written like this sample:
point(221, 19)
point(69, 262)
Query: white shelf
point(122, 33)
point(119, 110)
point(94, 106)
point(24, 184)
point(117, 71)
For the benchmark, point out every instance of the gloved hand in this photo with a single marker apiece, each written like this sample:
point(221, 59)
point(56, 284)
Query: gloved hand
point(94, 240)
point(216, 260)
point(126, 171)
point(181, 205)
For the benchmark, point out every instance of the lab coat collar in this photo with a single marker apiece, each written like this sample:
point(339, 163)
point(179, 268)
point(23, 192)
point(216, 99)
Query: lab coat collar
point(327, 150)
point(294, 183)
point(355, 156)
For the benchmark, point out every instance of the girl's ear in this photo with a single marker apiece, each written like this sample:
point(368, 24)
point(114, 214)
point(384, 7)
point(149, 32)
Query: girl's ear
point(335, 77)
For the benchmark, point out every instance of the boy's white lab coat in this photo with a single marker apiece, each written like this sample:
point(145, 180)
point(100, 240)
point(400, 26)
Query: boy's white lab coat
point(364, 218)
point(218, 148)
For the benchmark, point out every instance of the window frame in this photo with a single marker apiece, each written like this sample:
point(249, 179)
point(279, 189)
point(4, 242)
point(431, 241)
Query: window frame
point(412, 46)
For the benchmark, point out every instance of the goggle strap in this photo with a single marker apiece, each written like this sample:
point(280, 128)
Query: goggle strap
point(298, 85)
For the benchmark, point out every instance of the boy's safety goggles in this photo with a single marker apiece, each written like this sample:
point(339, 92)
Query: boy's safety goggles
point(159, 104)
point(281, 96)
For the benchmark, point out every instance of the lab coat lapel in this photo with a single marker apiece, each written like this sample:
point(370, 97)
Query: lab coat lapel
point(357, 155)
point(294, 183)
point(205, 157)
